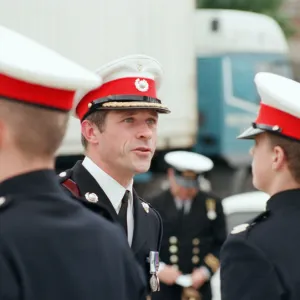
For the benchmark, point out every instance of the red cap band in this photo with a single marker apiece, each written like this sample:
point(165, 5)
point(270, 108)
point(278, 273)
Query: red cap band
point(123, 86)
point(290, 125)
point(36, 94)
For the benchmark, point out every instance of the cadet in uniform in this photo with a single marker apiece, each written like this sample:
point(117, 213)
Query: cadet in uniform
point(119, 129)
point(194, 228)
point(259, 260)
point(51, 246)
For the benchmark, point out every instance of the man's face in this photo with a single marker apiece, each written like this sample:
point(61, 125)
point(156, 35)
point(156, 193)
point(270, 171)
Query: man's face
point(262, 162)
point(186, 193)
point(183, 193)
point(128, 140)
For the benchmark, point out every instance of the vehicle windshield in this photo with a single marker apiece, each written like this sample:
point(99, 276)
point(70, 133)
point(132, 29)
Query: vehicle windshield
point(244, 67)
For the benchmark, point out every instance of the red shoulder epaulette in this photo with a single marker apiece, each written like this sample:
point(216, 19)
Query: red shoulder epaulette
point(72, 187)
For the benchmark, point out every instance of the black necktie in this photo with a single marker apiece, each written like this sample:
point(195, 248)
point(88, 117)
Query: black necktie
point(181, 213)
point(123, 211)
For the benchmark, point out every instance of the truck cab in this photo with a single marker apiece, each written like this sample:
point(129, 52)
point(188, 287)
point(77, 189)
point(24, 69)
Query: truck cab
point(232, 46)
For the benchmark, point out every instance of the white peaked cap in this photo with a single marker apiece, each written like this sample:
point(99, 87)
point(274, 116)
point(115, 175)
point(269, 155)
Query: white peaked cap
point(188, 166)
point(130, 82)
point(35, 74)
point(189, 161)
point(279, 110)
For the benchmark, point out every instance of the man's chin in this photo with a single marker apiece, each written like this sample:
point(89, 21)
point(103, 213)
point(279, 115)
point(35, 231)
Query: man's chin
point(139, 169)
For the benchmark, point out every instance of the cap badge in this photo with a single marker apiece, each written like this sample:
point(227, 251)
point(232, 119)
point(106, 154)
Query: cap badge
point(142, 85)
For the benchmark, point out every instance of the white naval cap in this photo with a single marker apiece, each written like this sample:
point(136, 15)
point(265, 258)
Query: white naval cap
point(130, 82)
point(279, 110)
point(188, 166)
point(35, 74)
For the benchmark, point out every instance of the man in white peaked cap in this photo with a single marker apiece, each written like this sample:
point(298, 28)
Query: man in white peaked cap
point(259, 260)
point(119, 123)
point(51, 246)
point(194, 229)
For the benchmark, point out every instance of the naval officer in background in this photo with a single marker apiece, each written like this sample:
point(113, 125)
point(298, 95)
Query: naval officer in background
point(194, 228)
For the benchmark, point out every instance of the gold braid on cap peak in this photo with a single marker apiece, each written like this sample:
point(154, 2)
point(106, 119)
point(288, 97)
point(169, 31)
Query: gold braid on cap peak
point(133, 104)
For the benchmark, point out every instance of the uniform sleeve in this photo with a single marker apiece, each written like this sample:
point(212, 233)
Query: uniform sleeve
point(247, 274)
point(219, 234)
point(9, 289)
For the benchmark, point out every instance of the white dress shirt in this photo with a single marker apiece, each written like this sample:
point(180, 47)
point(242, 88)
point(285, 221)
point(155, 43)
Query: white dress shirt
point(114, 191)
point(185, 203)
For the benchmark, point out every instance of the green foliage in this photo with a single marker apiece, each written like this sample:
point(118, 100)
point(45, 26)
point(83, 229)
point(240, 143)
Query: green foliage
point(271, 8)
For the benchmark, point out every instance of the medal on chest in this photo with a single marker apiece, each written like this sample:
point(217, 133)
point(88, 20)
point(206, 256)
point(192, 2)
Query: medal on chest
point(154, 265)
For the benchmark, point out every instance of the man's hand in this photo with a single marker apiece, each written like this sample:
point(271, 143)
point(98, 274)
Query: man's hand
point(168, 275)
point(199, 277)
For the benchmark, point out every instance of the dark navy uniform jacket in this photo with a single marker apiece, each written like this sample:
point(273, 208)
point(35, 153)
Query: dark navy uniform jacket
point(260, 261)
point(54, 248)
point(147, 222)
point(191, 240)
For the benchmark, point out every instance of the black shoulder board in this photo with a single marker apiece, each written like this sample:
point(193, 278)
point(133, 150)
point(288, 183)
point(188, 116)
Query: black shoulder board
point(260, 218)
point(65, 175)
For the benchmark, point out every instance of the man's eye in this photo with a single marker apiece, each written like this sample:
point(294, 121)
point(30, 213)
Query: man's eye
point(151, 121)
point(128, 120)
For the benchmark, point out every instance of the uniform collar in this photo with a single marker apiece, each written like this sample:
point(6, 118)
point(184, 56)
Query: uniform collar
point(113, 190)
point(41, 181)
point(284, 199)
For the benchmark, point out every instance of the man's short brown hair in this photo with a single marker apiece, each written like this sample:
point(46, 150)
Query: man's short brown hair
point(37, 132)
point(291, 149)
point(98, 118)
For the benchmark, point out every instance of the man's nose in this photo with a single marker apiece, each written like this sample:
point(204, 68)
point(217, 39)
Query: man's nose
point(145, 132)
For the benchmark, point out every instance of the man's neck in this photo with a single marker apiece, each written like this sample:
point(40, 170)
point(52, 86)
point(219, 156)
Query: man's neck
point(17, 166)
point(123, 178)
point(277, 187)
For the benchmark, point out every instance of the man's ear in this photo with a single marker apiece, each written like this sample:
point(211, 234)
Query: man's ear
point(278, 158)
point(172, 181)
point(170, 172)
point(172, 178)
point(90, 131)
